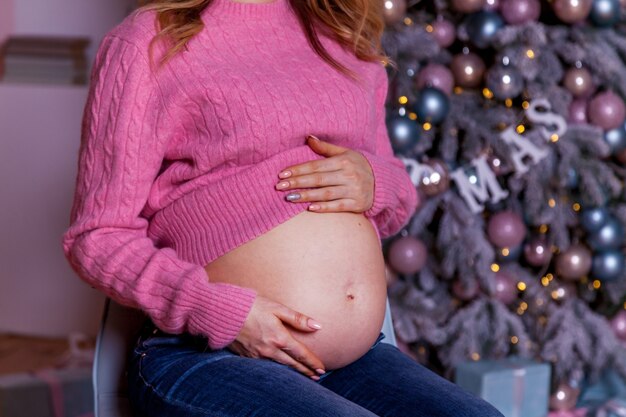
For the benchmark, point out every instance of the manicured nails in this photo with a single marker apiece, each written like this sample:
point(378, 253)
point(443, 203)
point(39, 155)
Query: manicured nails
point(320, 371)
point(293, 196)
point(284, 174)
point(313, 324)
point(314, 207)
point(313, 137)
point(315, 377)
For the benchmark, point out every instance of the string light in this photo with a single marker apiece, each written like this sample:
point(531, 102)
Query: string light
point(412, 116)
point(458, 90)
point(521, 286)
point(403, 99)
point(552, 202)
point(545, 281)
point(523, 305)
point(576, 206)
point(487, 93)
point(597, 284)
point(505, 251)
point(475, 356)
point(554, 138)
point(525, 105)
point(520, 129)
point(408, 21)
point(543, 229)
point(508, 102)
point(427, 126)
point(530, 54)
point(430, 28)
point(514, 339)
point(495, 267)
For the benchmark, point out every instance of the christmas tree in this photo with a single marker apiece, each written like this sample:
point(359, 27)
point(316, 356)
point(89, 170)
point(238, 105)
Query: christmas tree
point(510, 118)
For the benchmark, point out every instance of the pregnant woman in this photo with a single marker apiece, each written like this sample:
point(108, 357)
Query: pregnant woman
point(234, 181)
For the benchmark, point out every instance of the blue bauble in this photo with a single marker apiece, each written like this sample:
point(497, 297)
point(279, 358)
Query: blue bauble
point(572, 179)
point(605, 13)
point(592, 219)
point(609, 236)
point(483, 26)
point(616, 139)
point(403, 133)
point(609, 265)
point(431, 106)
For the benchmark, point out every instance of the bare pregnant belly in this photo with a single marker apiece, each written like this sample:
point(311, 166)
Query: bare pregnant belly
point(328, 266)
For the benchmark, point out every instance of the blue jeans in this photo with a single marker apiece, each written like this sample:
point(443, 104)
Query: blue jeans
point(176, 375)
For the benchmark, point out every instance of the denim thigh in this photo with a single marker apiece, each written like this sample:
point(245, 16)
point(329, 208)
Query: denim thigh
point(389, 383)
point(176, 375)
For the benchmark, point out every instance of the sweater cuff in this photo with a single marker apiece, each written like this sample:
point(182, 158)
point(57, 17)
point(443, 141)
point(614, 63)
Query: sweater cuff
point(219, 311)
point(385, 176)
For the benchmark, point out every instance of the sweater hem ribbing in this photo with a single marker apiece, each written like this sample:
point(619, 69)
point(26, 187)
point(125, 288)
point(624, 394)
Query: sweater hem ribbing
point(190, 225)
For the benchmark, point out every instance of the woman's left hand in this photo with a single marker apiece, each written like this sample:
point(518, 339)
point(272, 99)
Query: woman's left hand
point(343, 181)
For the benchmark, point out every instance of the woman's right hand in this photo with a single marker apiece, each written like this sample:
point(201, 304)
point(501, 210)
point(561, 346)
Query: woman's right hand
point(264, 335)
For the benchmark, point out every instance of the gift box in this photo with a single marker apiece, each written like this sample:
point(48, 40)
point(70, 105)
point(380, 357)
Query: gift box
point(46, 377)
point(517, 387)
point(578, 412)
point(47, 393)
point(596, 392)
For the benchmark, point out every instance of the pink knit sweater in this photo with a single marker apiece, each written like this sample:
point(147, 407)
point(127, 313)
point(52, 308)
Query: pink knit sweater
point(178, 167)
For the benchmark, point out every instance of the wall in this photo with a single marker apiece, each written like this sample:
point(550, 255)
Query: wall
point(6, 18)
point(39, 140)
point(68, 17)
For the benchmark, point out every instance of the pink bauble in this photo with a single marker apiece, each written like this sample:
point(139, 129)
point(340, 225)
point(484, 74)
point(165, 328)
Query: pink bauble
point(466, 289)
point(390, 276)
point(407, 255)
point(436, 75)
point(505, 288)
point(444, 32)
point(564, 398)
point(492, 5)
point(572, 11)
point(394, 11)
point(468, 70)
point(618, 324)
point(578, 81)
point(516, 12)
point(538, 252)
point(468, 6)
point(578, 111)
point(607, 110)
point(574, 262)
point(506, 229)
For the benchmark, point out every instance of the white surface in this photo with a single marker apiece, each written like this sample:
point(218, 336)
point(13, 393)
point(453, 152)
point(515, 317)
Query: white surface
point(39, 140)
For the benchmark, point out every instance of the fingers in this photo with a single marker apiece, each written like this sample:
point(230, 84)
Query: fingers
point(284, 358)
point(316, 165)
point(296, 319)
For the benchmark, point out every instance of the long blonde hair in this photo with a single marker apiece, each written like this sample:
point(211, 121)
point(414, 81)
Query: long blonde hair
point(355, 24)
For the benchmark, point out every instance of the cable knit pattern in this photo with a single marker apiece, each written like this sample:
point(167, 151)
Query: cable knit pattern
point(178, 167)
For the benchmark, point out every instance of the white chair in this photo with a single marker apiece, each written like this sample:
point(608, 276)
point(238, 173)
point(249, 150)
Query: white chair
point(115, 340)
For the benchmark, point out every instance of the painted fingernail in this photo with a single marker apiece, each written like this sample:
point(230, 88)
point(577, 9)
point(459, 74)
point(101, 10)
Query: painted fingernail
point(315, 377)
point(284, 174)
point(292, 196)
point(320, 371)
point(313, 324)
point(313, 137)
point(283, 184)
point(314, 207)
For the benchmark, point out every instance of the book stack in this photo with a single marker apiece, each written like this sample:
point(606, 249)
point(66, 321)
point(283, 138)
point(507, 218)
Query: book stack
point(44, 59)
